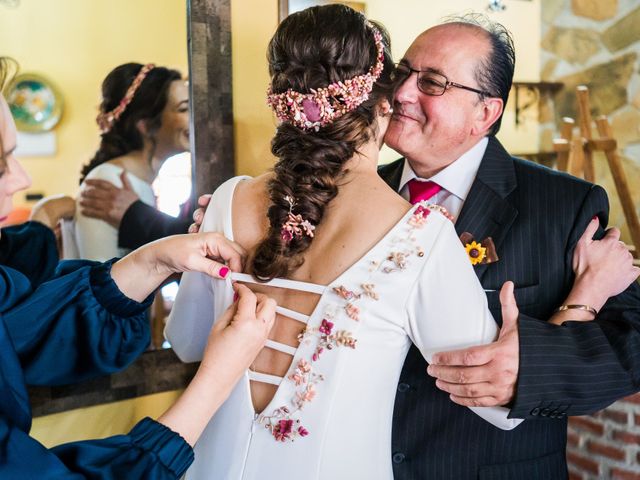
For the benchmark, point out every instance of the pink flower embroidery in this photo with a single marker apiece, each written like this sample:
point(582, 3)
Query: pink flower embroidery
point(399, 258)
point(352, 311)
point(304, 366)
point(303, 431)
point(297, 378)
point(282, 430)
point(369, 290)
point(326, 327)
point(301, 373)
point(419, 217)
point(344, 292)
point(305, 396)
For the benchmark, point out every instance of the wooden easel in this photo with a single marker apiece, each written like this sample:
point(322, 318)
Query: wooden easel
point(575, 156)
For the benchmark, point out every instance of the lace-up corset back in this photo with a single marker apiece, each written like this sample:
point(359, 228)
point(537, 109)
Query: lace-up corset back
point(274, 361)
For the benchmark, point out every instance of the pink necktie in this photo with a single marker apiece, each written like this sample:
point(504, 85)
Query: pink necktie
point(419, 191)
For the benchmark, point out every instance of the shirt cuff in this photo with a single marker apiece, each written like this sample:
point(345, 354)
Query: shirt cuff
point(109, 295)
point(172, 450)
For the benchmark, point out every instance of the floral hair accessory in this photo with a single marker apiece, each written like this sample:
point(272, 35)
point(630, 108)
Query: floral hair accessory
point(295, 226)
point(106, 120)
point(310, 111)
point(479, 252)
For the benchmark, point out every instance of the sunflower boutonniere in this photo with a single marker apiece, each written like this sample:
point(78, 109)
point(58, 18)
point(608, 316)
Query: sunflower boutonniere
point(479, 253)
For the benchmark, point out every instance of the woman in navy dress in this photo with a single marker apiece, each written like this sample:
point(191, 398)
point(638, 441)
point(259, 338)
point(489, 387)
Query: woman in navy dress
point(63, 323)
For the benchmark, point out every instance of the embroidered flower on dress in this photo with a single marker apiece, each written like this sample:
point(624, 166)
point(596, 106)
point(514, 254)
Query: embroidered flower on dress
point(305, 396)
point(301, 374)
point(325, 327)
point(282, 430)
point(282, 424)
point(399, 258)
point(419, 217)
point(352, 311)
point(344, 292)
point(369, 290)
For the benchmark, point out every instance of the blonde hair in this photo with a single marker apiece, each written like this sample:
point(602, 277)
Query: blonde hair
point(8, 69)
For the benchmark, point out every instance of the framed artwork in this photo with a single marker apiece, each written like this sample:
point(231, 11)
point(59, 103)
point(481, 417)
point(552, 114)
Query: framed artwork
point(35, 103)
point(285, 7)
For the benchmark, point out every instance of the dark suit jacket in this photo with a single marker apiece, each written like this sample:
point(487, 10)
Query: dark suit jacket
point(535, 217)
point(143, 223)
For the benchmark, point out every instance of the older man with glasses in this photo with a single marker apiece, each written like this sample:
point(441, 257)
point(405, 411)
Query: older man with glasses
point(452, 86)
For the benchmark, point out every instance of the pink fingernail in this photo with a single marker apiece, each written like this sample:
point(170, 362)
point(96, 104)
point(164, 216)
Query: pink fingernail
point(235, 296)
point(595, 217)
point(224, 271)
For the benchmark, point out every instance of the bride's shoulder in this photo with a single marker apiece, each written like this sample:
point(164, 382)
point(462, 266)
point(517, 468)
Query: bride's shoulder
point(251, 189)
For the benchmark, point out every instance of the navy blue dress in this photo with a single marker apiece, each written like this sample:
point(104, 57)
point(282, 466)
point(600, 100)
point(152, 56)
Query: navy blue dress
point(31, 249)
point(60, 326)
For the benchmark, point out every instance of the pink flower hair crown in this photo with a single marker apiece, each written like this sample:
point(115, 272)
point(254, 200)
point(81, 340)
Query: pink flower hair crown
point(295, 226)
point(106, 120)
point(310, 111)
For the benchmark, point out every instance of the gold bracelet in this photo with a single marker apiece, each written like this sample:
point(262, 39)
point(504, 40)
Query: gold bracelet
point(586, 308)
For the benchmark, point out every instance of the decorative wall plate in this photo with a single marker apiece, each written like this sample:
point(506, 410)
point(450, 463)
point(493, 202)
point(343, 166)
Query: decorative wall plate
point(35, 103)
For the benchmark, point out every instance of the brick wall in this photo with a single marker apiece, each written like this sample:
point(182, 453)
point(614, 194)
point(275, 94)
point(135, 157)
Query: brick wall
point(606, 445)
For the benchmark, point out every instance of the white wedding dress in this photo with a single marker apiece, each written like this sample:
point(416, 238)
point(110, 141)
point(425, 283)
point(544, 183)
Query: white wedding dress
point(331, 415)
point(93, 239)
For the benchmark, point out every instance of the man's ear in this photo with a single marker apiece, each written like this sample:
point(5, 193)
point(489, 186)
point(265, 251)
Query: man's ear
point(384, 108)
point(488, 113)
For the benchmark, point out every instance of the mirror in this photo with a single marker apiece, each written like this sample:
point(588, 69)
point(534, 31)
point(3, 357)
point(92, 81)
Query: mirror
point(74, 44)
point(71, 45)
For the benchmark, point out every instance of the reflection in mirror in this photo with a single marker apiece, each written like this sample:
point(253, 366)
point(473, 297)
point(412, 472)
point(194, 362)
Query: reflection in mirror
point(75, 45)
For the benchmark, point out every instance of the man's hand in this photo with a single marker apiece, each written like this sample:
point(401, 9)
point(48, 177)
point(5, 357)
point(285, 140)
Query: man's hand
point(103, 200)
point(604, 268)
point(198, 214)
point(486, 375)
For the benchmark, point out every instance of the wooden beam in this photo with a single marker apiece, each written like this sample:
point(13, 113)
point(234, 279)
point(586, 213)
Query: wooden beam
point(209, 32)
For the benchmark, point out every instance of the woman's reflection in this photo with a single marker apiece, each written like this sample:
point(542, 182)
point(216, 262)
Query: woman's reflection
point(144, 118)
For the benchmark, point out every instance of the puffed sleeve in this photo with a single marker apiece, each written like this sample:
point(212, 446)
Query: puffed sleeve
point(30, 248)
point(447, 308)
point(77, 325)
point(150, 451)
point(192, 314)
point(200, 297)
point(95, 239)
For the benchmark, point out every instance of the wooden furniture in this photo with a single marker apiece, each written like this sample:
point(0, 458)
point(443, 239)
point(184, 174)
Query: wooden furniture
point(575, 156)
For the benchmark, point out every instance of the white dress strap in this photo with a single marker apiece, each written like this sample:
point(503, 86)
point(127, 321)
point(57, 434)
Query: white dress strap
point(264, 378)
point(293, 314)
point(282, 283)
point(281, 347)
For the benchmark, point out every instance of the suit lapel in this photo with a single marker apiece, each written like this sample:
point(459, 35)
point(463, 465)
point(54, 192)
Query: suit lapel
point(392, 173)
point(486, 211)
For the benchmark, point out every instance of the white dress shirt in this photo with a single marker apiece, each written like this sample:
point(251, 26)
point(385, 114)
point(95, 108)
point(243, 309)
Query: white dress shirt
point(455, 180)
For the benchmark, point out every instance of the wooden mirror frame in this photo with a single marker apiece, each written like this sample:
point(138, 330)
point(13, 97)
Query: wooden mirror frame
point(209, 53)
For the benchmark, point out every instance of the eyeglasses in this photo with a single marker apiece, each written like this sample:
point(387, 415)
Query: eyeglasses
point(429, 82)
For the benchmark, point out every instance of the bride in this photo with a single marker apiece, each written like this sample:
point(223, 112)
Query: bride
point(358, 273)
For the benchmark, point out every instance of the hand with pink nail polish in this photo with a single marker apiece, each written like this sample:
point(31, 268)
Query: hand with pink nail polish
point(144, 269)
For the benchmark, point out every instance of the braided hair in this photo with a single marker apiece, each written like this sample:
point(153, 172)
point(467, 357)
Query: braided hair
point(312, 49)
